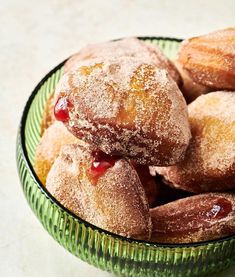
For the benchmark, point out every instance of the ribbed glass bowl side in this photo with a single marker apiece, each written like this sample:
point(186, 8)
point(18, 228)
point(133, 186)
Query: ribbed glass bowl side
point(97, 247)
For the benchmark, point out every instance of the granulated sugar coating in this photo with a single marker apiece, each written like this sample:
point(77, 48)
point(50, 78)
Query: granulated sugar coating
point(209, 163)
point(210, 59)
point(128, 47)
point(128, 107)
point(117, 202)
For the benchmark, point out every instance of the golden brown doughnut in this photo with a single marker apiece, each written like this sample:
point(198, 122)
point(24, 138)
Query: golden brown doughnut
point(193, 219)
point(190, 89)
point(210, 59)
point(48, 149)
point(128, 47)
point(126, 107)
point(209, 163)
point(105, 191)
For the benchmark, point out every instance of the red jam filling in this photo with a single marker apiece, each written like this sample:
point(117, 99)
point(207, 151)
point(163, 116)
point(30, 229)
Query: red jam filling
point(101, 162)
point(61, 109)
point(221, 209)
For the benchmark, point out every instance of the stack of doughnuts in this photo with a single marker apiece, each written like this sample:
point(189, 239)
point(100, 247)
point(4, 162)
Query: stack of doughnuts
point(121, 149)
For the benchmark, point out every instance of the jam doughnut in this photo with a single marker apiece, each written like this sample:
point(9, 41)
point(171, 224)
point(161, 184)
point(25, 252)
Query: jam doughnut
point(210, 59)
point(103, 190)
point(126, 107)
point(193, 219)
point(209, 163)
point(49, 147)
point(128, 47)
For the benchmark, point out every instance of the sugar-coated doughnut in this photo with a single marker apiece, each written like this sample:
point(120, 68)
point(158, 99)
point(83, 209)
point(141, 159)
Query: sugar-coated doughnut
point(193, 219)
point(209, 163)
point(127, 107)
point(103, 190)
point(210, 59)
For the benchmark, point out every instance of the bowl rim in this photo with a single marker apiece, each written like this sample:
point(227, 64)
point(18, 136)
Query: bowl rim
point(43, 189)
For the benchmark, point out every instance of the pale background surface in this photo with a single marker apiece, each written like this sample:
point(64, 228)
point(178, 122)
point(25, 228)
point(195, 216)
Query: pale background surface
point(34, 37)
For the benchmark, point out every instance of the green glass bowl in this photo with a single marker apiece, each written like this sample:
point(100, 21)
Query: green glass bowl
point(107, 251)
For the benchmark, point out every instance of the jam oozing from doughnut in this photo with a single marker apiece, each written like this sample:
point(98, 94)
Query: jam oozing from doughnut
point(61, 109)
point(221, 209)
point(101, 162)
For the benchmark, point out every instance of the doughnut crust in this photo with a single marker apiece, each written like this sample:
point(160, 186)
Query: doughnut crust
point(209, 163)
point(190, 89)
point(49, 147)
point(210, 59)
point(126, 107)
point(193, 219)
point(128, 47)
point(116, 203)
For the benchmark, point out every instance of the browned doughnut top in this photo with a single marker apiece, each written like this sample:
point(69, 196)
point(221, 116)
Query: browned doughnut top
point(209, 163)
point(48, 149)
point(116, 202)
point(128, 47)
point(196, 218)
point(210, 59)
point(127, 107)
